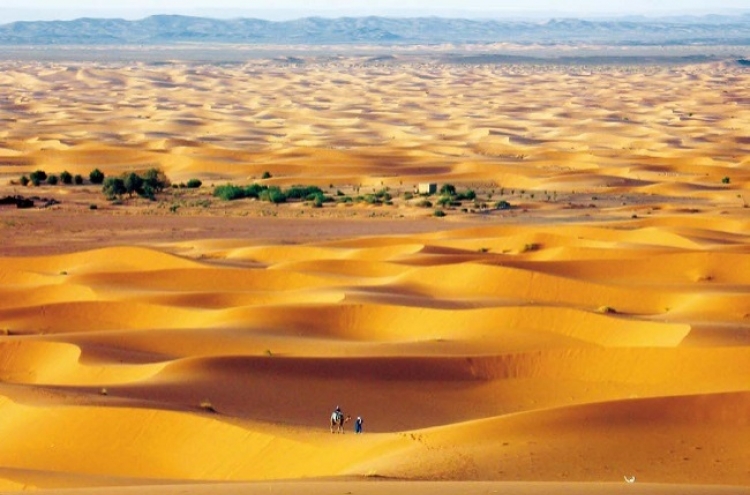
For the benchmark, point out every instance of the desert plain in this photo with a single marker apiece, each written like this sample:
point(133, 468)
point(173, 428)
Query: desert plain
point(593, 330)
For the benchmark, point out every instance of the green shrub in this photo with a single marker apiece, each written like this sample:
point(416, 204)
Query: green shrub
point(444, 201)
point(194, 183)
point(147, 191)
point(78, 179)
point(503, 205)
point(38, 176)
point(273, 194)
point(372, 199)
point(469, 195)
point(96, 176)
point(302, 192)
point(25, 180)
point(439, 213)
point(133, 184)
point(66, 177)
point(52, 180)
point(254, 190)
point(726, 180)
point(229, 192)
point(276, 195)
point(156, 179)
point(114, 187)
point(448, 189)
point(266, 175)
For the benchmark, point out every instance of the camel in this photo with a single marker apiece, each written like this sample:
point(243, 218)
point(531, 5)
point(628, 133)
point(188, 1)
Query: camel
point(338, 420)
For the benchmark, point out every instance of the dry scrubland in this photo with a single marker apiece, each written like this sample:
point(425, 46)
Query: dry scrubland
point(598, 329)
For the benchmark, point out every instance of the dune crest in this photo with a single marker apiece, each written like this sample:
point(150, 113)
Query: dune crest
point(576, 314)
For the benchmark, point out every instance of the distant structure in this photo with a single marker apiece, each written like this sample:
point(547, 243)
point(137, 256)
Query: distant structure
point(427, 188)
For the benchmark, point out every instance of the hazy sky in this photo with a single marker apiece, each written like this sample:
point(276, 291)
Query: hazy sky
point(11, 10)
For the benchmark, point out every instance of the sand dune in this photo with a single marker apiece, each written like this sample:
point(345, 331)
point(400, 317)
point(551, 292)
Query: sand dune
point(509, 349)
point(595, 331)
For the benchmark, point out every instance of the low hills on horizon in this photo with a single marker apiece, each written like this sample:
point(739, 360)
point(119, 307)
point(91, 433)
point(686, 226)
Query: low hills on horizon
point(174, 29)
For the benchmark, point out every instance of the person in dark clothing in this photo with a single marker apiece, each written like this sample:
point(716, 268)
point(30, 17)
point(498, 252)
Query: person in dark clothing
point(358, 425)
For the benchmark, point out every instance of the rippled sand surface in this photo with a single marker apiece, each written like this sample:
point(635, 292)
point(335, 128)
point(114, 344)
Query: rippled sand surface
point(596, 331)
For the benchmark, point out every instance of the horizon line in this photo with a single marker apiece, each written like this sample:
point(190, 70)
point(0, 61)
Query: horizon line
point(275, 15)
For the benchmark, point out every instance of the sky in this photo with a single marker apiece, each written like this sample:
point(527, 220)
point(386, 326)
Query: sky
point(14, 10)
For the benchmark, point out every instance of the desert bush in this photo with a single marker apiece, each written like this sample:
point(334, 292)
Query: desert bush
point(96, 176)
point(302, 192)
point(273, 194)
point(254, 190)
point(726, 180)
point(384, 195)
point(52, 180)
point(266, 175)
point(444, 201)
point(24, 180)
point(468, 195)
point(78, 179)
point(156, 179)
point(194, 183)
point(38, 176)
point(229, 192)
point(439, 213)
point(114, 187)
point(448, 190)
point(66, 177)
point(133, 184)
point(503, 205)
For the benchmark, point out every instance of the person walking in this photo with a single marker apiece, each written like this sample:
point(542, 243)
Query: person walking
point(358, 425)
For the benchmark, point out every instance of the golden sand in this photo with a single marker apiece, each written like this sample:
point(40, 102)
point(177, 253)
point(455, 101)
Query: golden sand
point(597, 331)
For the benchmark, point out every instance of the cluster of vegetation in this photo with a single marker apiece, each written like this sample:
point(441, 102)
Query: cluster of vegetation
point(39, 177)
point(450, 191)
point(191, 184)
point(153, 181)
point(449, 196)
point(378, 197)
point(272, 194)
point(146, 185)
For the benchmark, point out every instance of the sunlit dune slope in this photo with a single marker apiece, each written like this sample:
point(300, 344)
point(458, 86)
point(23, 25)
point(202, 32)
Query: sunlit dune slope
point(584, 318)
point(673, 130)
point(580, 359)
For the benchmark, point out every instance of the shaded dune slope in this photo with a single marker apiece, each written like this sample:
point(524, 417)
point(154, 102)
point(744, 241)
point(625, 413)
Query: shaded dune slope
point(581, 359)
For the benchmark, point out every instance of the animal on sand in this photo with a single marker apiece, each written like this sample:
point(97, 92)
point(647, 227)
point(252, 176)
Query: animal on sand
point(338, 420)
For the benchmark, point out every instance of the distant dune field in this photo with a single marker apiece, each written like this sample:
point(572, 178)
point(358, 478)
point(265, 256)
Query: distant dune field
point(595, 332)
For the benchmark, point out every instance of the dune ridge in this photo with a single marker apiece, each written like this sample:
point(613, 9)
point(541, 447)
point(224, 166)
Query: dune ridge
point(593, 329)
point(525, 346)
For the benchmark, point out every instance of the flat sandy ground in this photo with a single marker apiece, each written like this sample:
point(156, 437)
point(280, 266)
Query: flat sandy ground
point(596, 331)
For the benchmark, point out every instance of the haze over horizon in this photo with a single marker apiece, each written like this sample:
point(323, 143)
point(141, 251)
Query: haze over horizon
point(46, 10)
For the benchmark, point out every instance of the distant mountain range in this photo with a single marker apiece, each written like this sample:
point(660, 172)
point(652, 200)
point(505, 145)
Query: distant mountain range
point(173, 29)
